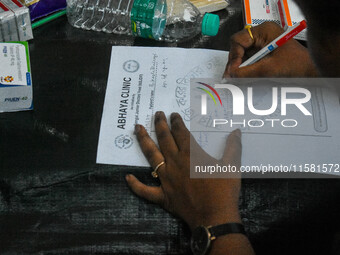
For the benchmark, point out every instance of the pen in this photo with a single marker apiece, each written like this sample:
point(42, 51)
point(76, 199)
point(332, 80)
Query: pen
point(267, 6)
point(281, 40)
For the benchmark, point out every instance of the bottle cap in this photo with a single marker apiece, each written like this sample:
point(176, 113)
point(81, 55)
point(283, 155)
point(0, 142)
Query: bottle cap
point(210, 24)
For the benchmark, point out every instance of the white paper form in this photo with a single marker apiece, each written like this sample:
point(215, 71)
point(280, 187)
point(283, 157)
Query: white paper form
point(145, 80)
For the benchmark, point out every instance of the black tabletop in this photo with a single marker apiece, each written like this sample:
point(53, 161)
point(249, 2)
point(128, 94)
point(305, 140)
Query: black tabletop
point(55, 199)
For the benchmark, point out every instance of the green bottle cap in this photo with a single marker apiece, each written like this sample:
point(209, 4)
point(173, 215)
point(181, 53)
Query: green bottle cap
point(210, 24)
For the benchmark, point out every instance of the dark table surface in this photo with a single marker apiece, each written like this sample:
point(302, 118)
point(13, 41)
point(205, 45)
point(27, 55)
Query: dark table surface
point(55, 199)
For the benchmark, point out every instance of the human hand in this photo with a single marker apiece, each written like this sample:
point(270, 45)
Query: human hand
point(197, 201)
point(290, 60)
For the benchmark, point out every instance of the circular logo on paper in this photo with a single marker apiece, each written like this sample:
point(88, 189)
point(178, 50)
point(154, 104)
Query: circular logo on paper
point(131, 66)
point(123, 141)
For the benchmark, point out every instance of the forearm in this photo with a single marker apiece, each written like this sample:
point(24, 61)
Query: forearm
point(233, 244)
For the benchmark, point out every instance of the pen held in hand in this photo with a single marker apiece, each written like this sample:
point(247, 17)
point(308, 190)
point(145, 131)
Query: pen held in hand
point(278, 42)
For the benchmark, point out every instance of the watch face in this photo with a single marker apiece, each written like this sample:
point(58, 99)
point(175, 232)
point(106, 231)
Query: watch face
point(200, 241)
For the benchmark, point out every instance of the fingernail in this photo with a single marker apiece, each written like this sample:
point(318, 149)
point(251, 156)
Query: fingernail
point(157, 116)
point(137, 128)
point(238, 133)
point(127, 177)
point(173, 116)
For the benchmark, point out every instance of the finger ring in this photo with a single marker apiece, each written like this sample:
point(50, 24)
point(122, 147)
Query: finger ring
point(154, 172)
point(248, 27)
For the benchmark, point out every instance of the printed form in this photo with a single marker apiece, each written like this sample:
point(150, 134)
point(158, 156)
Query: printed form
point(144, 80)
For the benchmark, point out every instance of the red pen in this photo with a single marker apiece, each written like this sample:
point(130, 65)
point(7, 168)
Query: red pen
point(278, 42)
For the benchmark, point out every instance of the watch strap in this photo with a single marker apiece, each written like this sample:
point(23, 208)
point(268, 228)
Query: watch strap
point(225, 229)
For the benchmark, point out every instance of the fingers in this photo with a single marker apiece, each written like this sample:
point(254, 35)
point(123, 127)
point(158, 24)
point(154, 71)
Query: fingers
point(240, 42)
point(284, 62)
point(179, 131)
point(152, 194)
point(242, 45)
point(165, 139)
point(258, 69)
point(149, 148)
point(233, 150)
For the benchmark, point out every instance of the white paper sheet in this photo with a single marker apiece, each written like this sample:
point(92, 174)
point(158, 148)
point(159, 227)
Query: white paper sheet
point(145, 80)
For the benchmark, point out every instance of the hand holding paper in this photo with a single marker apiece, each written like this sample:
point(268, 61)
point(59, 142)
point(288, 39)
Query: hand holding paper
point(178, 193)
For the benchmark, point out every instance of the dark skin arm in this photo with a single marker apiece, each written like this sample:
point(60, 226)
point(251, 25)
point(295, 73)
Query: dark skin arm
point(290, 60)
point(205, 202)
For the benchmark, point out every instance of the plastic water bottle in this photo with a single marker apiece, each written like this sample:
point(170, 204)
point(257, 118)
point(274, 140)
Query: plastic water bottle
point(163, 20)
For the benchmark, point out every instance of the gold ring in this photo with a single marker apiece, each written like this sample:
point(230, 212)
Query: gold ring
point(154, 172)
point(248, 27)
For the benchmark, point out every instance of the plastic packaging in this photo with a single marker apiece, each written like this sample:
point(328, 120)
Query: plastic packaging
point(41, 8)
point(172, 20)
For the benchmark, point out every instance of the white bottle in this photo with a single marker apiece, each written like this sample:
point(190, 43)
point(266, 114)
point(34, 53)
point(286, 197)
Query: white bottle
point(171, 20)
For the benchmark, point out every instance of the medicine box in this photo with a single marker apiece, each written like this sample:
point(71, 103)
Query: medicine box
point(8, 25)
point(15, 77)
point(257, 12)
point(290, 14)
point(18, 17)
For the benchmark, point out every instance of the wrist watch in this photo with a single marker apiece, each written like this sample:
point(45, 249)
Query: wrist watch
point(202, 236)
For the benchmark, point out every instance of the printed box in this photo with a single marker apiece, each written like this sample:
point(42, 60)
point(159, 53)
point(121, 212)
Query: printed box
point(23, 20)
point(290, 14)
point(8, 25)
point(257, 12)
point(15, 77)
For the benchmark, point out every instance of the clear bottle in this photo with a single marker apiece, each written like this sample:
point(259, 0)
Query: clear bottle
point(163, 20)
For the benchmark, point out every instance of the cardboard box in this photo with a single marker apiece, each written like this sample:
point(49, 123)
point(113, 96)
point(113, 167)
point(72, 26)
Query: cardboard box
point(210, 5)
point(15, 77)
point(256, 12)
point(8, 25)
point(22, 16)
point(290, 14)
